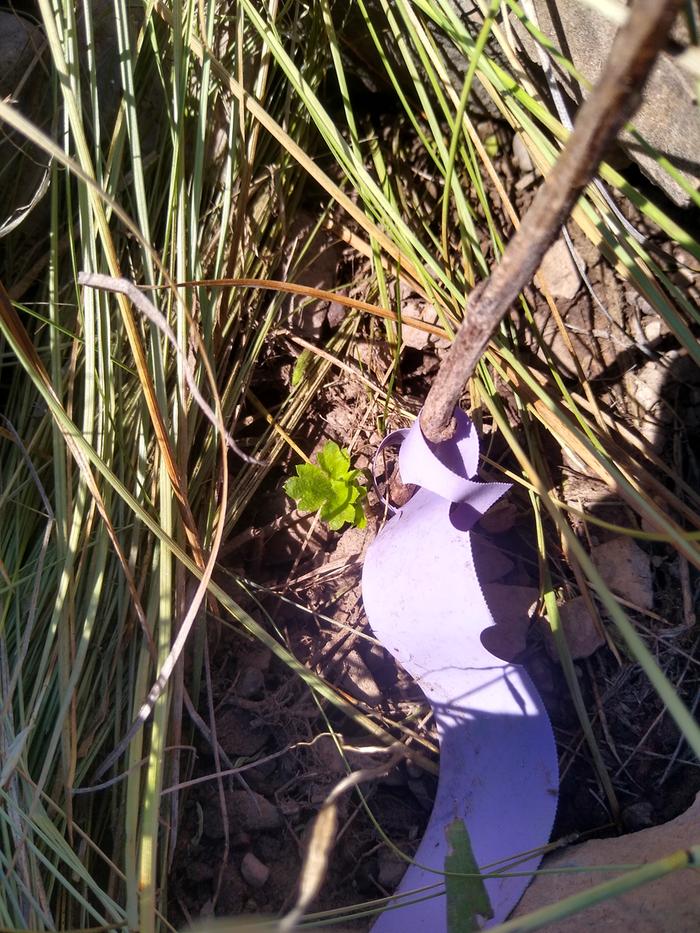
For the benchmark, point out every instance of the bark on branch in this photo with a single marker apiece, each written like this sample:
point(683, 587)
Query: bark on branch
point(602, 116)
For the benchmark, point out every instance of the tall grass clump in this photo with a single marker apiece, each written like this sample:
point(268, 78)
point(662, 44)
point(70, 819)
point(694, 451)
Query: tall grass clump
point(116, 491)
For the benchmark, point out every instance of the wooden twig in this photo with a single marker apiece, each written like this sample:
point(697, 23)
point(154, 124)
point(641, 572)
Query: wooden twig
point(611, 104)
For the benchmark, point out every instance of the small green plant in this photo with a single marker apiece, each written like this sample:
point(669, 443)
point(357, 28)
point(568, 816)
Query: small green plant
point(329, 485)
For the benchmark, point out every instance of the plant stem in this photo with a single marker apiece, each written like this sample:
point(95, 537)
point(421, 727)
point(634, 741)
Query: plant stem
point(612, 102)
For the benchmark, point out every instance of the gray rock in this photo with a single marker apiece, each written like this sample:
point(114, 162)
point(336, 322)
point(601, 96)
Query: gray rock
point(250, 683)
point(510, 607)
point(23, 80)
point(391, 870)
point(251, 811)
point(313, 261)
point(626, 570)
point(559, 271)
point(521, 156)
point(358, 681)
point(646, 386)
point(582, 633)
point(668, 119)
point(254, 872)
point(418, 308)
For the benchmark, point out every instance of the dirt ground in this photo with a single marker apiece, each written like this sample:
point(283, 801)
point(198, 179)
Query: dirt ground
point(241, 841)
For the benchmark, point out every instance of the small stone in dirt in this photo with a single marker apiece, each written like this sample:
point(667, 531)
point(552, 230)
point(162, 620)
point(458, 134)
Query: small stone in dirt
point(250, 684)
point(328, 756)
point(521, 156)
point(317, 795)
point(646, 386)
point(639, 815)
point(582, 634)
point(390, 870)
point(353, 543)
point(254, 872)
point(525, 181)
point(420, 792)
point(358, 682)
point(653, 327)
point(625, 568)
point(559, 271)
point(263, 777)
point(381, 665)
point(336, 313)
point(420, 309)
point(251, 811)
point(318, 269)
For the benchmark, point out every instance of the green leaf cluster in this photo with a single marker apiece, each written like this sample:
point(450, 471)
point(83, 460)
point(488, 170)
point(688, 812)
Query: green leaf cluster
point(331, 486)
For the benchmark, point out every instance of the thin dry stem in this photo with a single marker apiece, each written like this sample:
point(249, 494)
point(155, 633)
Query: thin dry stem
point(599, 120)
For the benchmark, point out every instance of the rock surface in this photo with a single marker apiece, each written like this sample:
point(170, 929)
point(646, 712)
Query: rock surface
point(559, 271)
point(669, 903)
point(254, 872)
point(252, 812)
point(669, 118)
point(22, 81)
point(626, 570)
point(583, 635)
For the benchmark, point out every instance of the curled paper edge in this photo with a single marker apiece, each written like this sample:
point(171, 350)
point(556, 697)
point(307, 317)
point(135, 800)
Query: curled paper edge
point(498, 765)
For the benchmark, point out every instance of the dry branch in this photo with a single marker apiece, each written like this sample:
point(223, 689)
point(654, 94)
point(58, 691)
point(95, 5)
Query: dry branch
point(613, 101)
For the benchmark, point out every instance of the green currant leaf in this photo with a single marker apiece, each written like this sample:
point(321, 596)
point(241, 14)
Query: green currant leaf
point(359, 519)
point(334, 461)
point(338, 502)
point(329, 487)
point(310, 488)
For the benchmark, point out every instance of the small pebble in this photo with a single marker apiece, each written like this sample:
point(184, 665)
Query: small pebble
point(254, 872)
point(358, 681)
point(521, 156)
point(390, 870)
point(523, 183)
point(639, 815)
point(252, 812)
point(250, 684)
point(560, 272)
